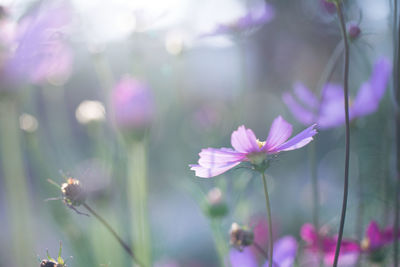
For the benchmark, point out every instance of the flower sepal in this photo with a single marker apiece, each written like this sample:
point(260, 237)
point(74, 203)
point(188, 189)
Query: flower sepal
point(261, 165)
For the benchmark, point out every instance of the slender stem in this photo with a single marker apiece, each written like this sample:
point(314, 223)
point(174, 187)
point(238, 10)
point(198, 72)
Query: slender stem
point(220, 243)
point(271, 241)
point(16, 186)
point(315, 194)
point(330, 66)
point(112, 231)
point(396, 87)
point(346, 109)
point(260, 249)
point(137, 190)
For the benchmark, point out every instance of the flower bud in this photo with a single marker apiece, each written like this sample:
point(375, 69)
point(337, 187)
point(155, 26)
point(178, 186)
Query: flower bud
point(73, 192)
point(328, 6)
point(240, 237)
point(353, 30)
point(215, 205)
point(132, 106)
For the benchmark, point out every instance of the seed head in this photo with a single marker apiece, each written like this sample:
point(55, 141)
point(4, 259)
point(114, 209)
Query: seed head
point(73, 192)
point(240, 237)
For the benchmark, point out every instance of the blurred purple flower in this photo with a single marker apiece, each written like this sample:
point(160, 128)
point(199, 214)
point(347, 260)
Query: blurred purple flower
point(284, 254)
point(328, 6)
point(132, 104)
point(247, 148)
point(375, 238)
point(252, 19)
point(41, 53)
point(327, 245)
point(353, 30)
point(328, 111)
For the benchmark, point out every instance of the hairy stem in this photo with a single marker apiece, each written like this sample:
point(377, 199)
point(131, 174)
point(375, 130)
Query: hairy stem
point(271, 241)
point(112, 231)
point(346, 109)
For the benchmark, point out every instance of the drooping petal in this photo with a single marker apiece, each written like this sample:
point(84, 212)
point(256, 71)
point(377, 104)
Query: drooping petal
point(302, 114)
point(280, 131)
point(305, 95)
point(213, 157)
point(297, 141)
point(205, 172)
point(245, 258)
point(244, 140)
point(284, 252)
point(371, 92)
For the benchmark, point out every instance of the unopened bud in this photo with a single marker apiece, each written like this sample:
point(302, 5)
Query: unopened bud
point(353, 30)
point(328, 6)
point(215, 204)
point(50, 262)
point(240, 237)
point(73, 192)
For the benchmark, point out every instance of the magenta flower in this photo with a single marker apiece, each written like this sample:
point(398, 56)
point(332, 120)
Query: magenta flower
point(327, 245)
point(376, 238)
point(132, 104)
point(247, 148)
point(255, 18)
point(328, 111)
point(284, 254)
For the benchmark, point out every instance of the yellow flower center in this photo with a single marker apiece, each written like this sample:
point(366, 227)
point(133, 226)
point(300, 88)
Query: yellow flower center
point(365, 244)
point(260, 143)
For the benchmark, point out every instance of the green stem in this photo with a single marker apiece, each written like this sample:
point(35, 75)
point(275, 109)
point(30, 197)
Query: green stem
point(112, 231)
point(220, 243)
point(396, 88)
point(315, 193)
point(137, 198)
point(271, 241)
point(346, 109)
point(15, 186)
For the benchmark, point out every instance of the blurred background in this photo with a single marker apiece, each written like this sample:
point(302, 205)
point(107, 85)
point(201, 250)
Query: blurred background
point(60, 61)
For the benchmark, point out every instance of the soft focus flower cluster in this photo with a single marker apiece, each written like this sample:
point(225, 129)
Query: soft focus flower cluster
point(35, 49)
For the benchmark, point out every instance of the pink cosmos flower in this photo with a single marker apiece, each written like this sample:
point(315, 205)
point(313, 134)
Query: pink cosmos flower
point(247, 148)
point(327, 111)
point(326, 245)
point(376, 238)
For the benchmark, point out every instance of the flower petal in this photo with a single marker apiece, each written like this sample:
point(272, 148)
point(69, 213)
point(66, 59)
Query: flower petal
point(213, 157)
point(244, 140)
point(280, 131)
point(204, 172)
point(374, 235)
point(371, 92)
point(285, 251)
point(305, 95)
point(298, 141)
point(308, 233)
point(332, 107)
point(303, 115)
point(245, 258)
